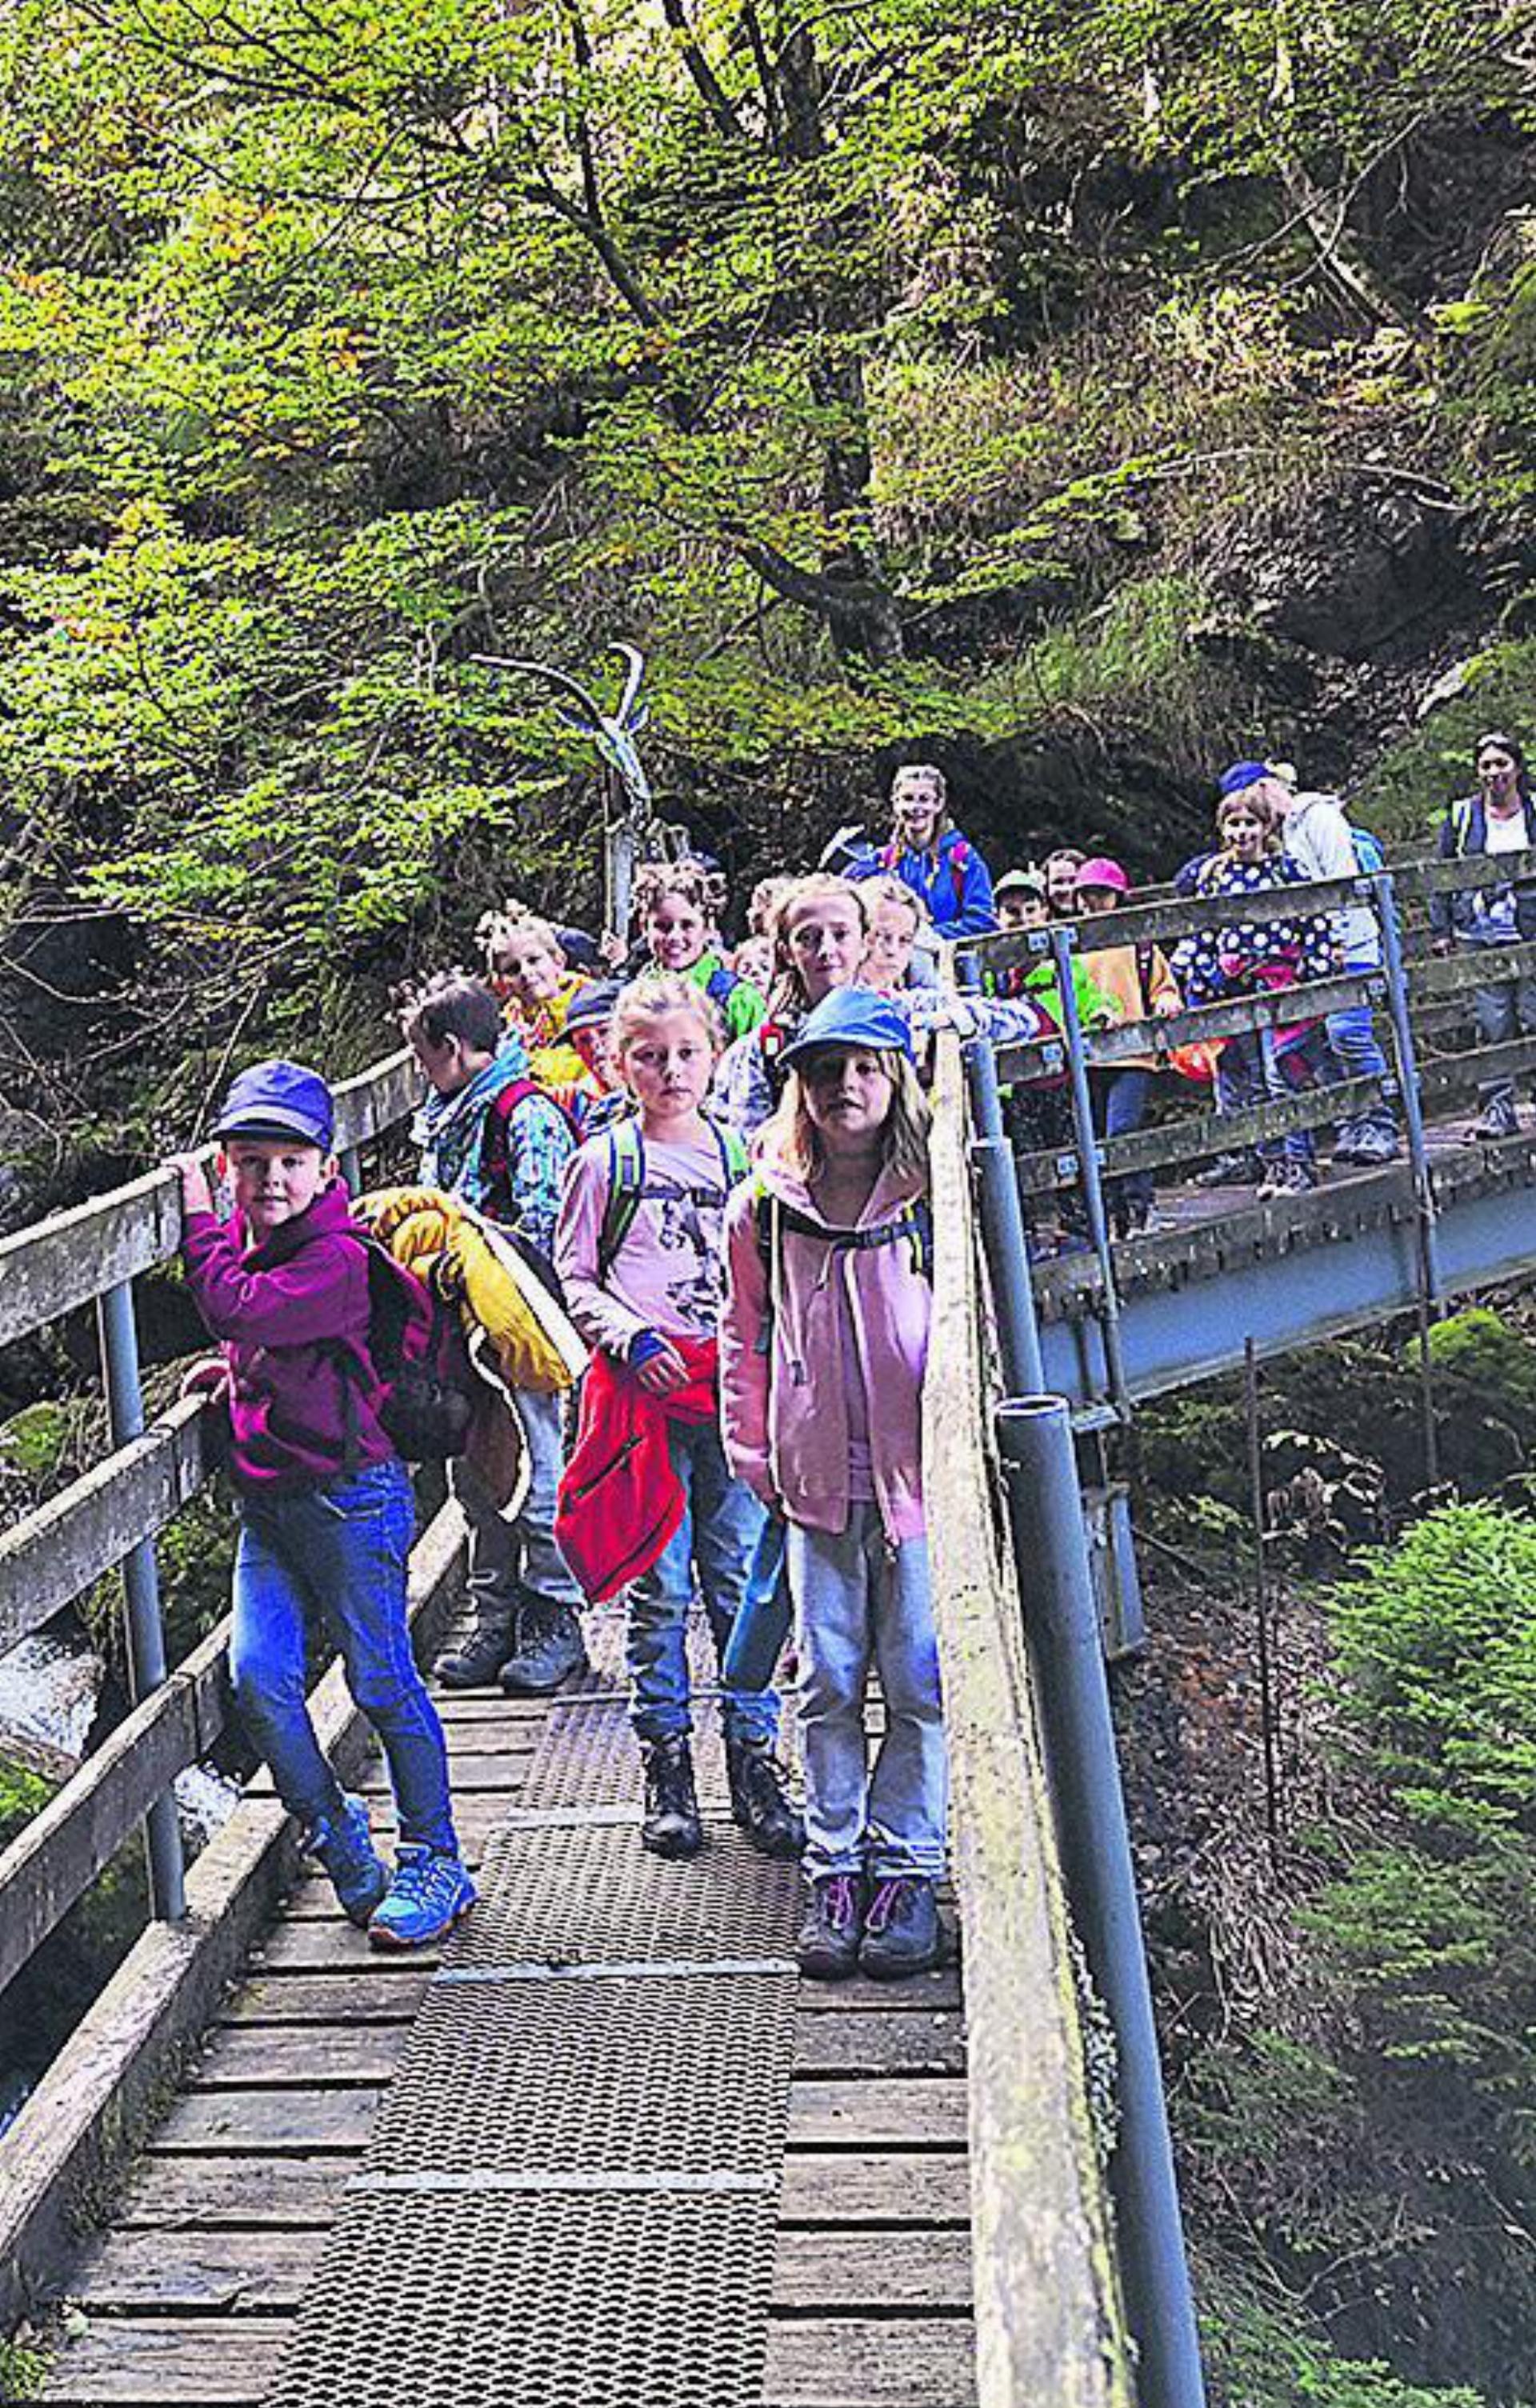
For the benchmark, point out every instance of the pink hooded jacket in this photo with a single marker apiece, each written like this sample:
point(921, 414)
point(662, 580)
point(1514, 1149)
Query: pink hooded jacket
point(782, 1380)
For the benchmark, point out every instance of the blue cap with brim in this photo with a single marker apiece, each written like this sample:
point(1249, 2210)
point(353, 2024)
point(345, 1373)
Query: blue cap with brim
point(851, 1016)
point(1242, 773)
point(277, 1099)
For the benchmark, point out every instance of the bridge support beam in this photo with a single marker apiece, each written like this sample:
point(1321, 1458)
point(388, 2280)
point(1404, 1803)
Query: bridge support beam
point(1062, 1630)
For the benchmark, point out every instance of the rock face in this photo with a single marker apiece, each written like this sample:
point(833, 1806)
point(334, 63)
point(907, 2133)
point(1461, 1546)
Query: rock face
point(1364, 576)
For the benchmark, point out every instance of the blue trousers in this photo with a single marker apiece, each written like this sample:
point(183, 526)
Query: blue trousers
point(718, 1539)
point(860, 1602)
point(1356, 1052)
point(1120, 1104)
point(334, 1560)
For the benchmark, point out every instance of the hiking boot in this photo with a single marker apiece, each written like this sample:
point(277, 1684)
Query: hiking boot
point(826, 1944)
point(671, 1827)
point(550, 1649)
point(429, 1894)
point(901, 1930)
point(1498, 1118)
point(1143, 1220)
point(759, 1802)
point(1228, 1170)
point(342, 1845)
point(1368, 1145)
point(477, 1665)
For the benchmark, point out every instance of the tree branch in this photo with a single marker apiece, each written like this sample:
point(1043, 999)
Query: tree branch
point(706, 83)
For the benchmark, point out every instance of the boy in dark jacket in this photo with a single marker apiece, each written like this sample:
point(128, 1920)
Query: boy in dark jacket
point(326, 1508)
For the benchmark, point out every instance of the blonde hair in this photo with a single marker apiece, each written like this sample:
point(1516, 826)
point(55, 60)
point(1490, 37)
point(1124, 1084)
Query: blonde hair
point(647, 998)
point(792, 1138)
point(496, 930)
point(767, 896)
point(888, 889)
point(789, 996)
point(1258, 806)
point(924, 769)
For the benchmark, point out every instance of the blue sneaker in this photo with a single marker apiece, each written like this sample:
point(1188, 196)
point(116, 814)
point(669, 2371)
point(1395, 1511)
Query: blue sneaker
point(343, 1845)
point(428, 1895)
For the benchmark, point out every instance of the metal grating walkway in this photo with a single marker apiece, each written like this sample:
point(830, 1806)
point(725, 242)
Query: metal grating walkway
point(568, 2197)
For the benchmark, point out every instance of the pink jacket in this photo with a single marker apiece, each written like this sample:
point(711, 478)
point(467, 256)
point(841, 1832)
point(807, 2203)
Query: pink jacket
point(782, 1380)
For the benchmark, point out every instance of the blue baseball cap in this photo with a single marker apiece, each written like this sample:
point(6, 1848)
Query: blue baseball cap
point(278, 1100)
point(1241, 774)
point(849, 1016)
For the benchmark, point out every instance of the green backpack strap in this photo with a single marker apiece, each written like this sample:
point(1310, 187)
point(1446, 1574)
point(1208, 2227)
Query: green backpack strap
point(733, 1152)
point(625, 1183)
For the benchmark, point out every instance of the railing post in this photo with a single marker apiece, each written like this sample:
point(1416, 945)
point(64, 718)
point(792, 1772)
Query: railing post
point(1087, 1156)
point(1412, 1107)
point(1061, 1625)
point(145, 1630)
point(1002, 1216)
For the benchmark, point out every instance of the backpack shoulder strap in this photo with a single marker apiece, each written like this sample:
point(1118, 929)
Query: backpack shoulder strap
point(1461, 823)
point(625, 1179)
point(959, 862)
point(721, 984)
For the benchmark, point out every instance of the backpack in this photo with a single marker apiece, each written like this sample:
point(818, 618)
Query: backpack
point(721, 985)
point(627, 1183)
point(959, 862)
point(1368, 853)
point(914, 1227)
point(420, 1361)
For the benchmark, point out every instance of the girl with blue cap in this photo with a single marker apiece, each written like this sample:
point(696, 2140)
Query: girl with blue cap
point(823, 1346)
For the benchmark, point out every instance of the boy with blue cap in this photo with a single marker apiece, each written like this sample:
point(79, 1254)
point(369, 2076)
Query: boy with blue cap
point(326, 1508)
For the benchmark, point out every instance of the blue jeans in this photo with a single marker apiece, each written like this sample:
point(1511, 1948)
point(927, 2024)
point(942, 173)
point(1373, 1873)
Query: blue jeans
point(860, 1601)
point(718, 1536)
point(762, 1626)
point(507, 1557)
point(1253, 1067)
point(1120, 1105)
point(1355, 1052)
point(336, 1558)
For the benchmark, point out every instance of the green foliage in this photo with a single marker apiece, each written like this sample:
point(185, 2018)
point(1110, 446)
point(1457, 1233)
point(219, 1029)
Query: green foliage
point(1267, 2356)
point(1409, 789)
point(1379, 2120)
point(24, 2371)
point(895, 373)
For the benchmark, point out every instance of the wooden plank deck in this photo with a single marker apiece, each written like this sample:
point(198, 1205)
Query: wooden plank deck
point(189, 2290)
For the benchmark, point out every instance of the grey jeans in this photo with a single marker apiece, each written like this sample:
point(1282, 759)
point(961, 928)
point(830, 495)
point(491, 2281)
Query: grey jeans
point(860, 1601)
point(505, 1556)
point(1502, 1012)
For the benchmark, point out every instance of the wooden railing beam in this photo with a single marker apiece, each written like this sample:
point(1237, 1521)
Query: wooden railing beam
point(56, 1856)
point(62, 1548)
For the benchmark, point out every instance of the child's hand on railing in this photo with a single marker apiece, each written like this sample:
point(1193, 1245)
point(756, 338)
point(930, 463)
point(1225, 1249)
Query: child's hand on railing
point(208, 1377)
point(192, 1170)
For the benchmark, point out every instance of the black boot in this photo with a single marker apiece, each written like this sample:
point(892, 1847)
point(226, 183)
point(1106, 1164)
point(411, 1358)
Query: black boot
point(671, 1827)
point(902, 1933)
point(830, 1928)
point(550, 1649)
point(758, 1801)
point(477, 1665)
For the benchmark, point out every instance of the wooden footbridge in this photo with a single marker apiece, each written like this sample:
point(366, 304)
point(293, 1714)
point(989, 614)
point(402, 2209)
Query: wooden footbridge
point(606, 2147)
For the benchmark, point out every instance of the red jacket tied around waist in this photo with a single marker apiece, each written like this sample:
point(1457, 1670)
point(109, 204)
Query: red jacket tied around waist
point(621, 1501)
